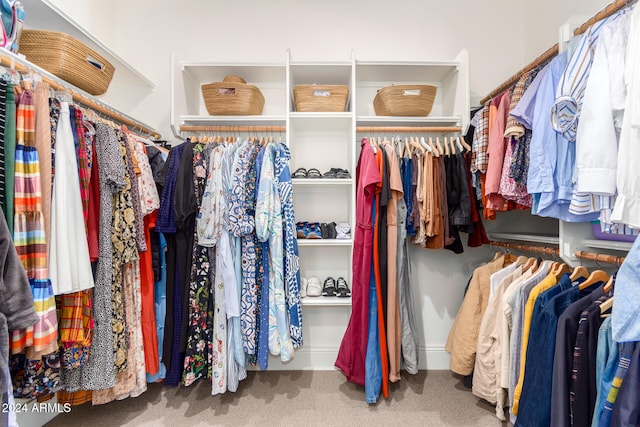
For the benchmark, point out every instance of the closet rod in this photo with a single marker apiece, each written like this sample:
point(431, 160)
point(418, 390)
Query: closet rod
point(226, 128)
point(526, 248)
point(405, 129)
point(609, 259)
point(21, 65)
point(611, 8)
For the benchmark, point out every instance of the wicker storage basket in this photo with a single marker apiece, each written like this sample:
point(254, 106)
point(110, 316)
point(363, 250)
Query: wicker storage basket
point(232, 97)
point(325, 98)
point(67, 58)
point(404, 100)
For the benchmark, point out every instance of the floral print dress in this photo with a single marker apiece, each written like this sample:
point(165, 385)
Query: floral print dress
point(197, 361)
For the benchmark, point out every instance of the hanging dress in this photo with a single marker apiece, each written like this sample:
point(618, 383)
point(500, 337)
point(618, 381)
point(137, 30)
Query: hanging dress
point(197, 361)
point(269, 227)
point(69, 261)
point(353, 348)
point(99, 371)
point(291, 261)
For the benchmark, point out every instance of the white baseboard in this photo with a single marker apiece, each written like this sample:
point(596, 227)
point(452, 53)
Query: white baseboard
point(323, 358)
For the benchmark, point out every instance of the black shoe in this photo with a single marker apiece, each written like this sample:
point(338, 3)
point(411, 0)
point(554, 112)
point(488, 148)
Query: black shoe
point(329, 287)
point(343, 290)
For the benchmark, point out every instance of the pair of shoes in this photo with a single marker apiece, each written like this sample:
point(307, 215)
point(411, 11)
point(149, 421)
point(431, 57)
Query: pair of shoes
point(328, 230)
point(343, 230)
point(304, 283)
point(333, 288)
point(337, 173)
point(308, 230)
point(314, 287)
point(304, 173)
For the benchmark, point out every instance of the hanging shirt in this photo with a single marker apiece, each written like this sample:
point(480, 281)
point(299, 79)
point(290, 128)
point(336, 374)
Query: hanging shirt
point(627, 207)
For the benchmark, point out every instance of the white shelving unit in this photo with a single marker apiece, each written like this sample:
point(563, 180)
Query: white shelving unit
point(323, 140)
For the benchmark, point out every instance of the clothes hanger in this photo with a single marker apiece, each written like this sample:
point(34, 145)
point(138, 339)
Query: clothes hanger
point(609, 285)
point(439, 146)
point(434, 150)
point(447, 151)
point(579, 271)
point(532, 263)
point(595, 277)
point(452, 146)
point(372, 144)
point(509, 258)
point(414, 143)
point(464, 143)
point(459, 145)
point(560, 270)
point(606, 306)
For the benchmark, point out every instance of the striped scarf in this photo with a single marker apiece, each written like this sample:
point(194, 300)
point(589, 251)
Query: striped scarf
point(28, 233)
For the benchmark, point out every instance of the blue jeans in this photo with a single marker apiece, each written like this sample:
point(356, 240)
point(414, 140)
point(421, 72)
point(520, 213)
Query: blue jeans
point(373, 364)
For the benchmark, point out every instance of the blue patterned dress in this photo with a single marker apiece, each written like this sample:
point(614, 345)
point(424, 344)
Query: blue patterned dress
point(291, 260)
point(269, 227)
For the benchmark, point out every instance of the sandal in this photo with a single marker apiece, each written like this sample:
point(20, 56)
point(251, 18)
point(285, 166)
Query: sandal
point(314, 287)
point(343, 290)
point(330, 174)
point(329, 288)
point(314, 230)
point(300, 173)
point(343, 174)
point(314, 173)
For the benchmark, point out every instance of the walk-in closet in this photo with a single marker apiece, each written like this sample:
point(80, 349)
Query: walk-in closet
point(302, 213)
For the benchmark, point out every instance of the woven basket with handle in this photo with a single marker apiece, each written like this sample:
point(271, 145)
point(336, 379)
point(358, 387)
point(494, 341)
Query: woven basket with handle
point(232, 97)
point(67, 58)
point(320, 98)
point(404, 100)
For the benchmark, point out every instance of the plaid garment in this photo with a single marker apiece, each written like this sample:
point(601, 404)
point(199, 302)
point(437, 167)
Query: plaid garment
point(75, 399)
point(82, 154)
point(480, 145)
point(74, 318)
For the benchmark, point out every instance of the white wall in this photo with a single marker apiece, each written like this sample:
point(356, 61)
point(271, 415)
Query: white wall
point(543, 18)
point(95, 15)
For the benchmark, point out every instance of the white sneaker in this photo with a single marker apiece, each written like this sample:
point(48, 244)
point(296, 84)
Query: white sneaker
point(314, 287)
point(303, 287)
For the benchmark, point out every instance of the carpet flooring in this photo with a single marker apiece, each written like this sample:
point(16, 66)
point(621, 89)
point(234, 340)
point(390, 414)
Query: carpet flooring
point(295, 398)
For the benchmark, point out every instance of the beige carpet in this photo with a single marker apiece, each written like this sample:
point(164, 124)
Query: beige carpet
point(295, 398)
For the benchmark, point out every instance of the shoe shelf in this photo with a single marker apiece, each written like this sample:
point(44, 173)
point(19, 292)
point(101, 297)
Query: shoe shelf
point(322, 181)
point(326, 301)
point(607, 244)
point(325, 242)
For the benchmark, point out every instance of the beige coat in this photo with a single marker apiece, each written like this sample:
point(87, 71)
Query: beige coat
point(463, 336)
